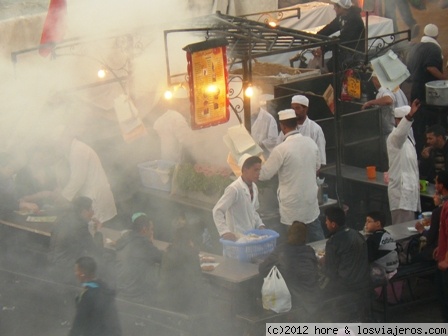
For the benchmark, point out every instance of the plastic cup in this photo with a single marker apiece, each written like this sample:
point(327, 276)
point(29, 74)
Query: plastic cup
point(371, 172)
point(423, 185)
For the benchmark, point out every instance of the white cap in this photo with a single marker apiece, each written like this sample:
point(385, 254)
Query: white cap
point(400, 112)
point(343, 3)
point(431, 30)
point(180, 93)
point(287, 114)
point(243, 159)
point(299, 99)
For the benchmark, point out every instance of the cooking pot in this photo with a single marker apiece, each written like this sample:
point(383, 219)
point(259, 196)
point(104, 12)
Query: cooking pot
point(437, 93)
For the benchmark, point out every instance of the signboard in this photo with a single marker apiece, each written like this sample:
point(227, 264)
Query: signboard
point(207, 73)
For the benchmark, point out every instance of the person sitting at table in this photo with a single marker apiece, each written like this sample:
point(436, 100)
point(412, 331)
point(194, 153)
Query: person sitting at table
point(137, 261)
point(432, 234)
point(236, 211)
point(352, 32)
point(297, 263)
point(345, 264)
point(403, 188)
point(181, 287)
point(71, 239)
point(434, 157)
point(9, 200)
point(382, 255)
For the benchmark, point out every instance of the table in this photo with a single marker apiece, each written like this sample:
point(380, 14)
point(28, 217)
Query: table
point(18, 221)
point(359, 175)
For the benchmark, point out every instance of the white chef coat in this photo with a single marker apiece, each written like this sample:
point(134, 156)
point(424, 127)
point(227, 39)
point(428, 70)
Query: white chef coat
point(403, 188)
point(296, 161)
point(311, 129)
point(173, 131)
point(264, 131)
point(387, 112)
point(235, 211)
point(87, 178)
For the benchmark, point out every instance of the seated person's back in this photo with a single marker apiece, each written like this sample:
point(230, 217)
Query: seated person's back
point(297, 263)
point(345, 263)
point(138, 261)
point(71, 239)
point(181, 286)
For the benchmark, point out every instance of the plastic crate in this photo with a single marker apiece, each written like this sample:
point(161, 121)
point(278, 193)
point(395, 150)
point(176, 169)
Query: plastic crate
point(256, 249)
point(156, 174)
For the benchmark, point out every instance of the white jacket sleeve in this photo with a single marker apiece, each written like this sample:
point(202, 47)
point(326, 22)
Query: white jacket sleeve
point(400, 134)
point(272, 137)
point(257, 218)
point(320, 141)
point(79, 164)
point(272, 165)
point(219, 210)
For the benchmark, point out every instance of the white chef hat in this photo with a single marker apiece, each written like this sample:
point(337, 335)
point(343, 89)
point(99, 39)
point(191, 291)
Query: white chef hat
point(287, 114)
point(299, 99)
point(243, 159)
point(431, 30)
point(343, 3)
point(400, 112)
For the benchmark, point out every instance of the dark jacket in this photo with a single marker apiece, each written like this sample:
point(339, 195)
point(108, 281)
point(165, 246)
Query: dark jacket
point(346, 262)
point(8, 196)
point(298, 266)
point(96, 312)
point(421, 56)
point(432, 237)
point(137, 266)
point(181, 286)
point(70, 240)
point(352, 29)
point(428, 166)
point(382, 250)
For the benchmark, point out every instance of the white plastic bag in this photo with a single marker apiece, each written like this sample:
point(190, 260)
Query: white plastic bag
point(275, 294)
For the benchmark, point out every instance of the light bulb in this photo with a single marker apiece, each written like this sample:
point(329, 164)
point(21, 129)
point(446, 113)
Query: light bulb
point(249, 91)
point(168, 95)
point(101, 73)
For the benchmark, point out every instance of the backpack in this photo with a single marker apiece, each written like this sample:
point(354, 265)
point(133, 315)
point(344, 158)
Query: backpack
point(408, 249)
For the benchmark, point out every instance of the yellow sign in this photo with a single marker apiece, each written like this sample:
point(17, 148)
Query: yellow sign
point(207, 70)
point(354, 87)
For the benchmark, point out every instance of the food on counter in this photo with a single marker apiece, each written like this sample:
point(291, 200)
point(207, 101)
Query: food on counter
point(207, 268)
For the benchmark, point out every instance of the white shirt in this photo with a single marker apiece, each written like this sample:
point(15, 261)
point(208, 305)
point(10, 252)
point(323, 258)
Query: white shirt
point(264, 131)
point(296, 161)
point(403, 188)
point(87, 178)
point(235, 211)
point(387, 112)
point(311, 129)
point(173, 131)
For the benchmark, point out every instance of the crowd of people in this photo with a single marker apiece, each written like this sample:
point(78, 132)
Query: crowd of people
point(137, 270)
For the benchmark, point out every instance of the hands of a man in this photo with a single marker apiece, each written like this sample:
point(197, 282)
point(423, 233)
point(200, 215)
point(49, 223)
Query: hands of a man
point(443, 265)
point(419, 227)
point(229, 236)
point(28, 206)
point(425, 152)
point(414, 107)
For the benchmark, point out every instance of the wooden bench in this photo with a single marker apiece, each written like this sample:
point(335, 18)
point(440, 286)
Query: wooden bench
point(143, 317)
point(407, 274)
point(331, 310)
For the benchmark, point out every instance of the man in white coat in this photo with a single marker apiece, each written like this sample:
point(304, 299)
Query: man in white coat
point(236, 210)
point(172, 127)
point(264, 127)
point(306, 126)
point(403, 188)
point(296, 161)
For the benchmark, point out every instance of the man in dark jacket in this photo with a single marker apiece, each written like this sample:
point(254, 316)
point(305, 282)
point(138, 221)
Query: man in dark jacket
point(71, 239)
point(345, 263)
point(96, 312)
point(138, 261)
point(349, 22)
point(297, 263)
point(434, 157)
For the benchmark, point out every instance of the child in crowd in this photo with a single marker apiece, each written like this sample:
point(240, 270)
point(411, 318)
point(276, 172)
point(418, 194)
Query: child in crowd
point(382, 253)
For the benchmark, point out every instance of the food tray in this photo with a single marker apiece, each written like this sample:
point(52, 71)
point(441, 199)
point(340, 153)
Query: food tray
point(251, 250)
point(157, 174)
